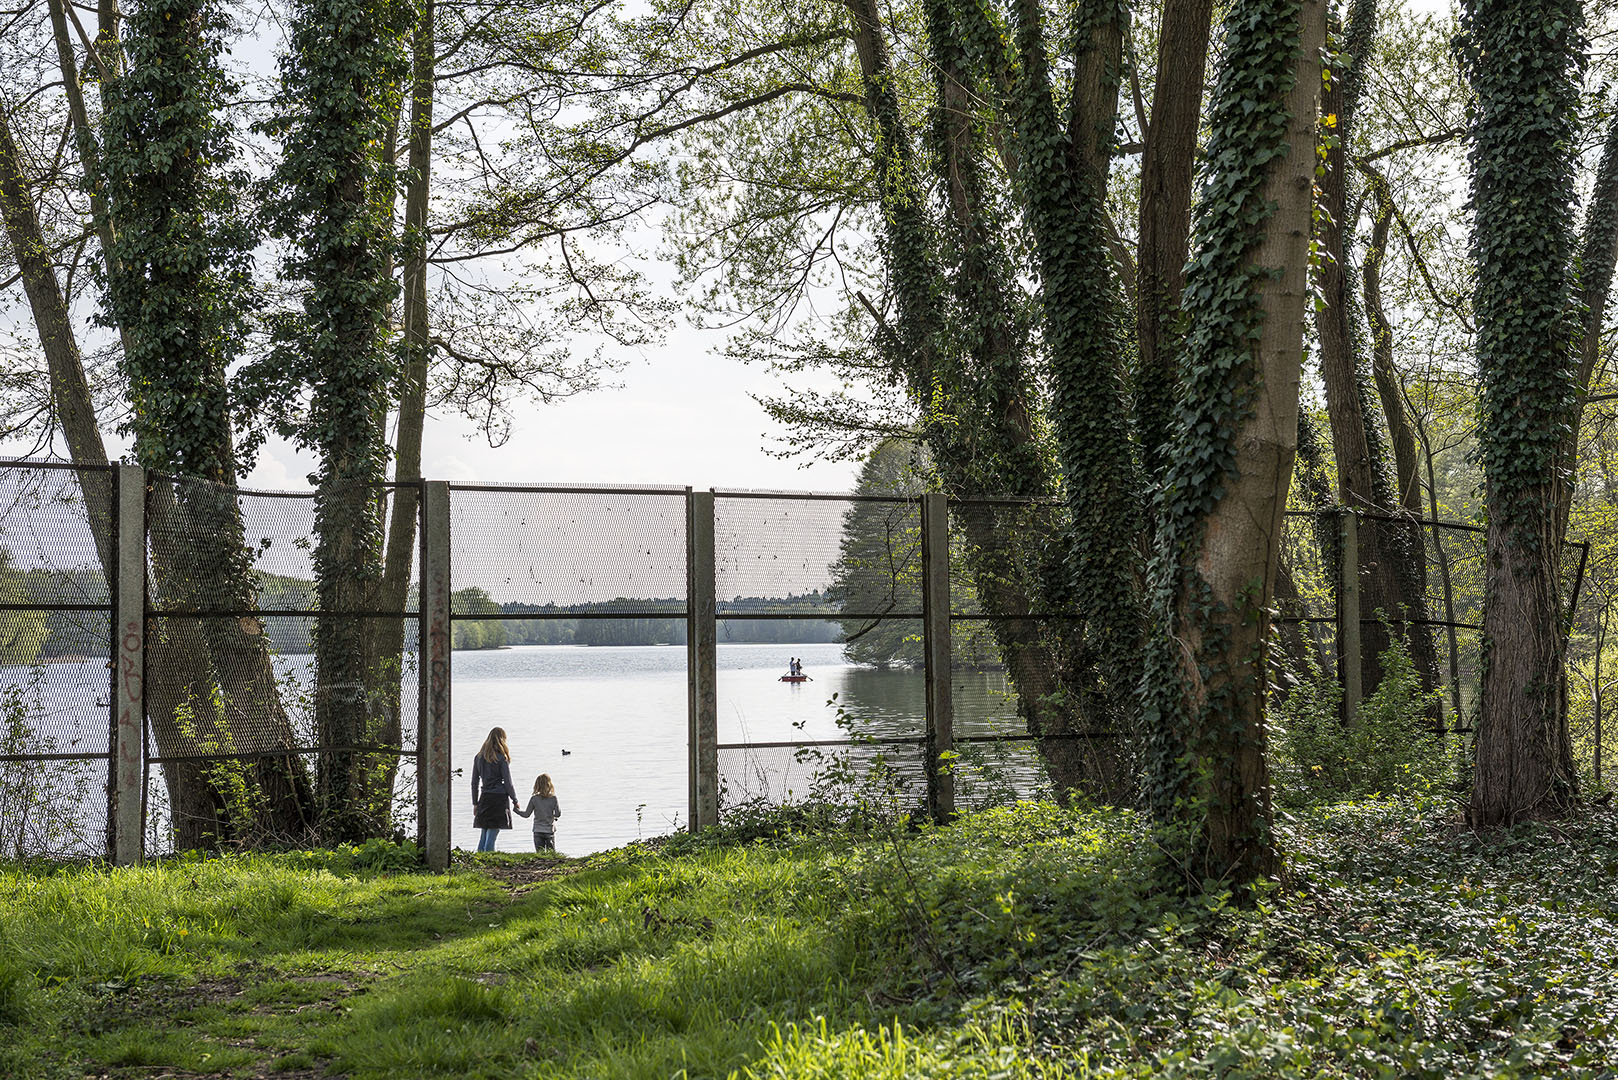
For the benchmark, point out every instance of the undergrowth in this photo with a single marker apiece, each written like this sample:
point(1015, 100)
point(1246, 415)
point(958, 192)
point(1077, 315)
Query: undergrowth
point(1027, 942)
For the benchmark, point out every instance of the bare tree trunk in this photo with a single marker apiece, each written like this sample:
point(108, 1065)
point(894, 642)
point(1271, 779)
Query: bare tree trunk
point(1407, 480)
point(70, 390)
point(401, 540)
point(1167, 161)
point(1402, 542)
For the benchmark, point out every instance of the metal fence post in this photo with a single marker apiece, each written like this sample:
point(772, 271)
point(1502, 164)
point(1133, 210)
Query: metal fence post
point(432, 737)
point(1348, 616)
point(936, 648)
point(129, 672)
point(701, 656)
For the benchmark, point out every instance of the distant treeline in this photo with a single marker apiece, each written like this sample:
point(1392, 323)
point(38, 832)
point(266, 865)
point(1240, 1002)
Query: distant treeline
point(551, 625)
point(27, 637)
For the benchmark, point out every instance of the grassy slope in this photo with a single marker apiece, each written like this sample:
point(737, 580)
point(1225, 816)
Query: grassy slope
point(1023, 943)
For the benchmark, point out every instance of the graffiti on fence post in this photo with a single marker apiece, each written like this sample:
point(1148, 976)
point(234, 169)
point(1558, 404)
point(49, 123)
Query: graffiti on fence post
point(129, 698)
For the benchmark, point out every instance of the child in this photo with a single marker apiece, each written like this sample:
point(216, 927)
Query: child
point(544, 809)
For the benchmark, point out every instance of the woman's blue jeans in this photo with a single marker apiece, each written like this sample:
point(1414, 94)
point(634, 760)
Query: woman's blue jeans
point(486, 841)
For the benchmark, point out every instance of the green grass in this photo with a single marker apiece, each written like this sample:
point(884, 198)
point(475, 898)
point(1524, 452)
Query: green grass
point(1026, 943)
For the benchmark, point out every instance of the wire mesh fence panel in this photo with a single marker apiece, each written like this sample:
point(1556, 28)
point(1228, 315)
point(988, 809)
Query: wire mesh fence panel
point(600, 577)
point(879, 775)
point(998, 762)
point(802, 555)
point(56, 527)
point(1311, 553)
point(1001, 557)
point(588, 553)
point(274, 699)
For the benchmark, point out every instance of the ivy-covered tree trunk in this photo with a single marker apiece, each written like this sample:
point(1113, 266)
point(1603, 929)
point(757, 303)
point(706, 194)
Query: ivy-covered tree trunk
point(1062, 182)
point(959, 347)
point(339, 98)
point(178, 295)
point(1220, 516)
point(1168, 157)
point(195, 803)
point(1522, 58)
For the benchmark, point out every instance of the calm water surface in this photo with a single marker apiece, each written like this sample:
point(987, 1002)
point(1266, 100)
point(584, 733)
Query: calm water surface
point(621, 714)
point(618, 711)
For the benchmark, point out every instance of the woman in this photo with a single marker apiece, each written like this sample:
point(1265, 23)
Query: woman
point(494, 796)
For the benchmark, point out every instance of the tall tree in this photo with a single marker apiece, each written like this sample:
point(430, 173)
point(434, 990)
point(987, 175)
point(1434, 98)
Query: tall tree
point(1389, 556)
point(178, 295)
point(1523, 58)
point(331, 198)
point(1220, 514)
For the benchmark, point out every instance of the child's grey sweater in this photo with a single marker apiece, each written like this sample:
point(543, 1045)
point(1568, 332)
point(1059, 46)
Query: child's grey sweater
point(544, 809)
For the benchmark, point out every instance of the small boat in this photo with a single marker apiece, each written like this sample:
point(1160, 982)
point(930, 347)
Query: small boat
point(794, 678)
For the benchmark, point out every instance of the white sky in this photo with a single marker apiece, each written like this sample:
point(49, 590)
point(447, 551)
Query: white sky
point(679, 414)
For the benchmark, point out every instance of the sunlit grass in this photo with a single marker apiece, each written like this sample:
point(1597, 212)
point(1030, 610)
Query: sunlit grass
point(1029, 943)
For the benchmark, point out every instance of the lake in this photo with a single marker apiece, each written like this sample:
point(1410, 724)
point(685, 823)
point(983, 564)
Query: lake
point(618, 711)
point(621, 712)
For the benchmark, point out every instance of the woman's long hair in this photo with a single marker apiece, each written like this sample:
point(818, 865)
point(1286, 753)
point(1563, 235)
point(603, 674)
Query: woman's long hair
point(494, 747)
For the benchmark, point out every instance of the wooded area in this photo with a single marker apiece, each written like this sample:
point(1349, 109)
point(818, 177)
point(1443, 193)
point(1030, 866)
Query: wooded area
point(1170, 276)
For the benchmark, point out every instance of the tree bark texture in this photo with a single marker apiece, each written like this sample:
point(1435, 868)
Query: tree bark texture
point(1064, 178)
point(194, 802)
point(1390, 557)
point(1168, 159)
point(992, 449)
point(1220, 528)
point(1522, 156)
point(388, 666)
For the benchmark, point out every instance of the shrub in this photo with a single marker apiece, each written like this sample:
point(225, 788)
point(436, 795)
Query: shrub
point(1390, 748)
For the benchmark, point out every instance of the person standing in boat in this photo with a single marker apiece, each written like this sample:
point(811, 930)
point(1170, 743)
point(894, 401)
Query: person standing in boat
point(494, 796)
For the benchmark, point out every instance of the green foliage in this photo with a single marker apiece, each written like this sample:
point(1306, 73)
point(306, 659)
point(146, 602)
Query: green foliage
point(17, 991)
point(331, 197)
point(1522, 60)
point(1220, 380)
point(22, 633)
point(179, 284)
point(1023, 942)
point(480, 633)
point(328, 382)
point(40, 803)
point(1100, 572)
point(878, 573)
point(1390, 747)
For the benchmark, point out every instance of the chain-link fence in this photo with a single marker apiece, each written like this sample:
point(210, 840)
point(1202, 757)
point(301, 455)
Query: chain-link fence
point(57, 533)
point(666, 656)
point(270, 701)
